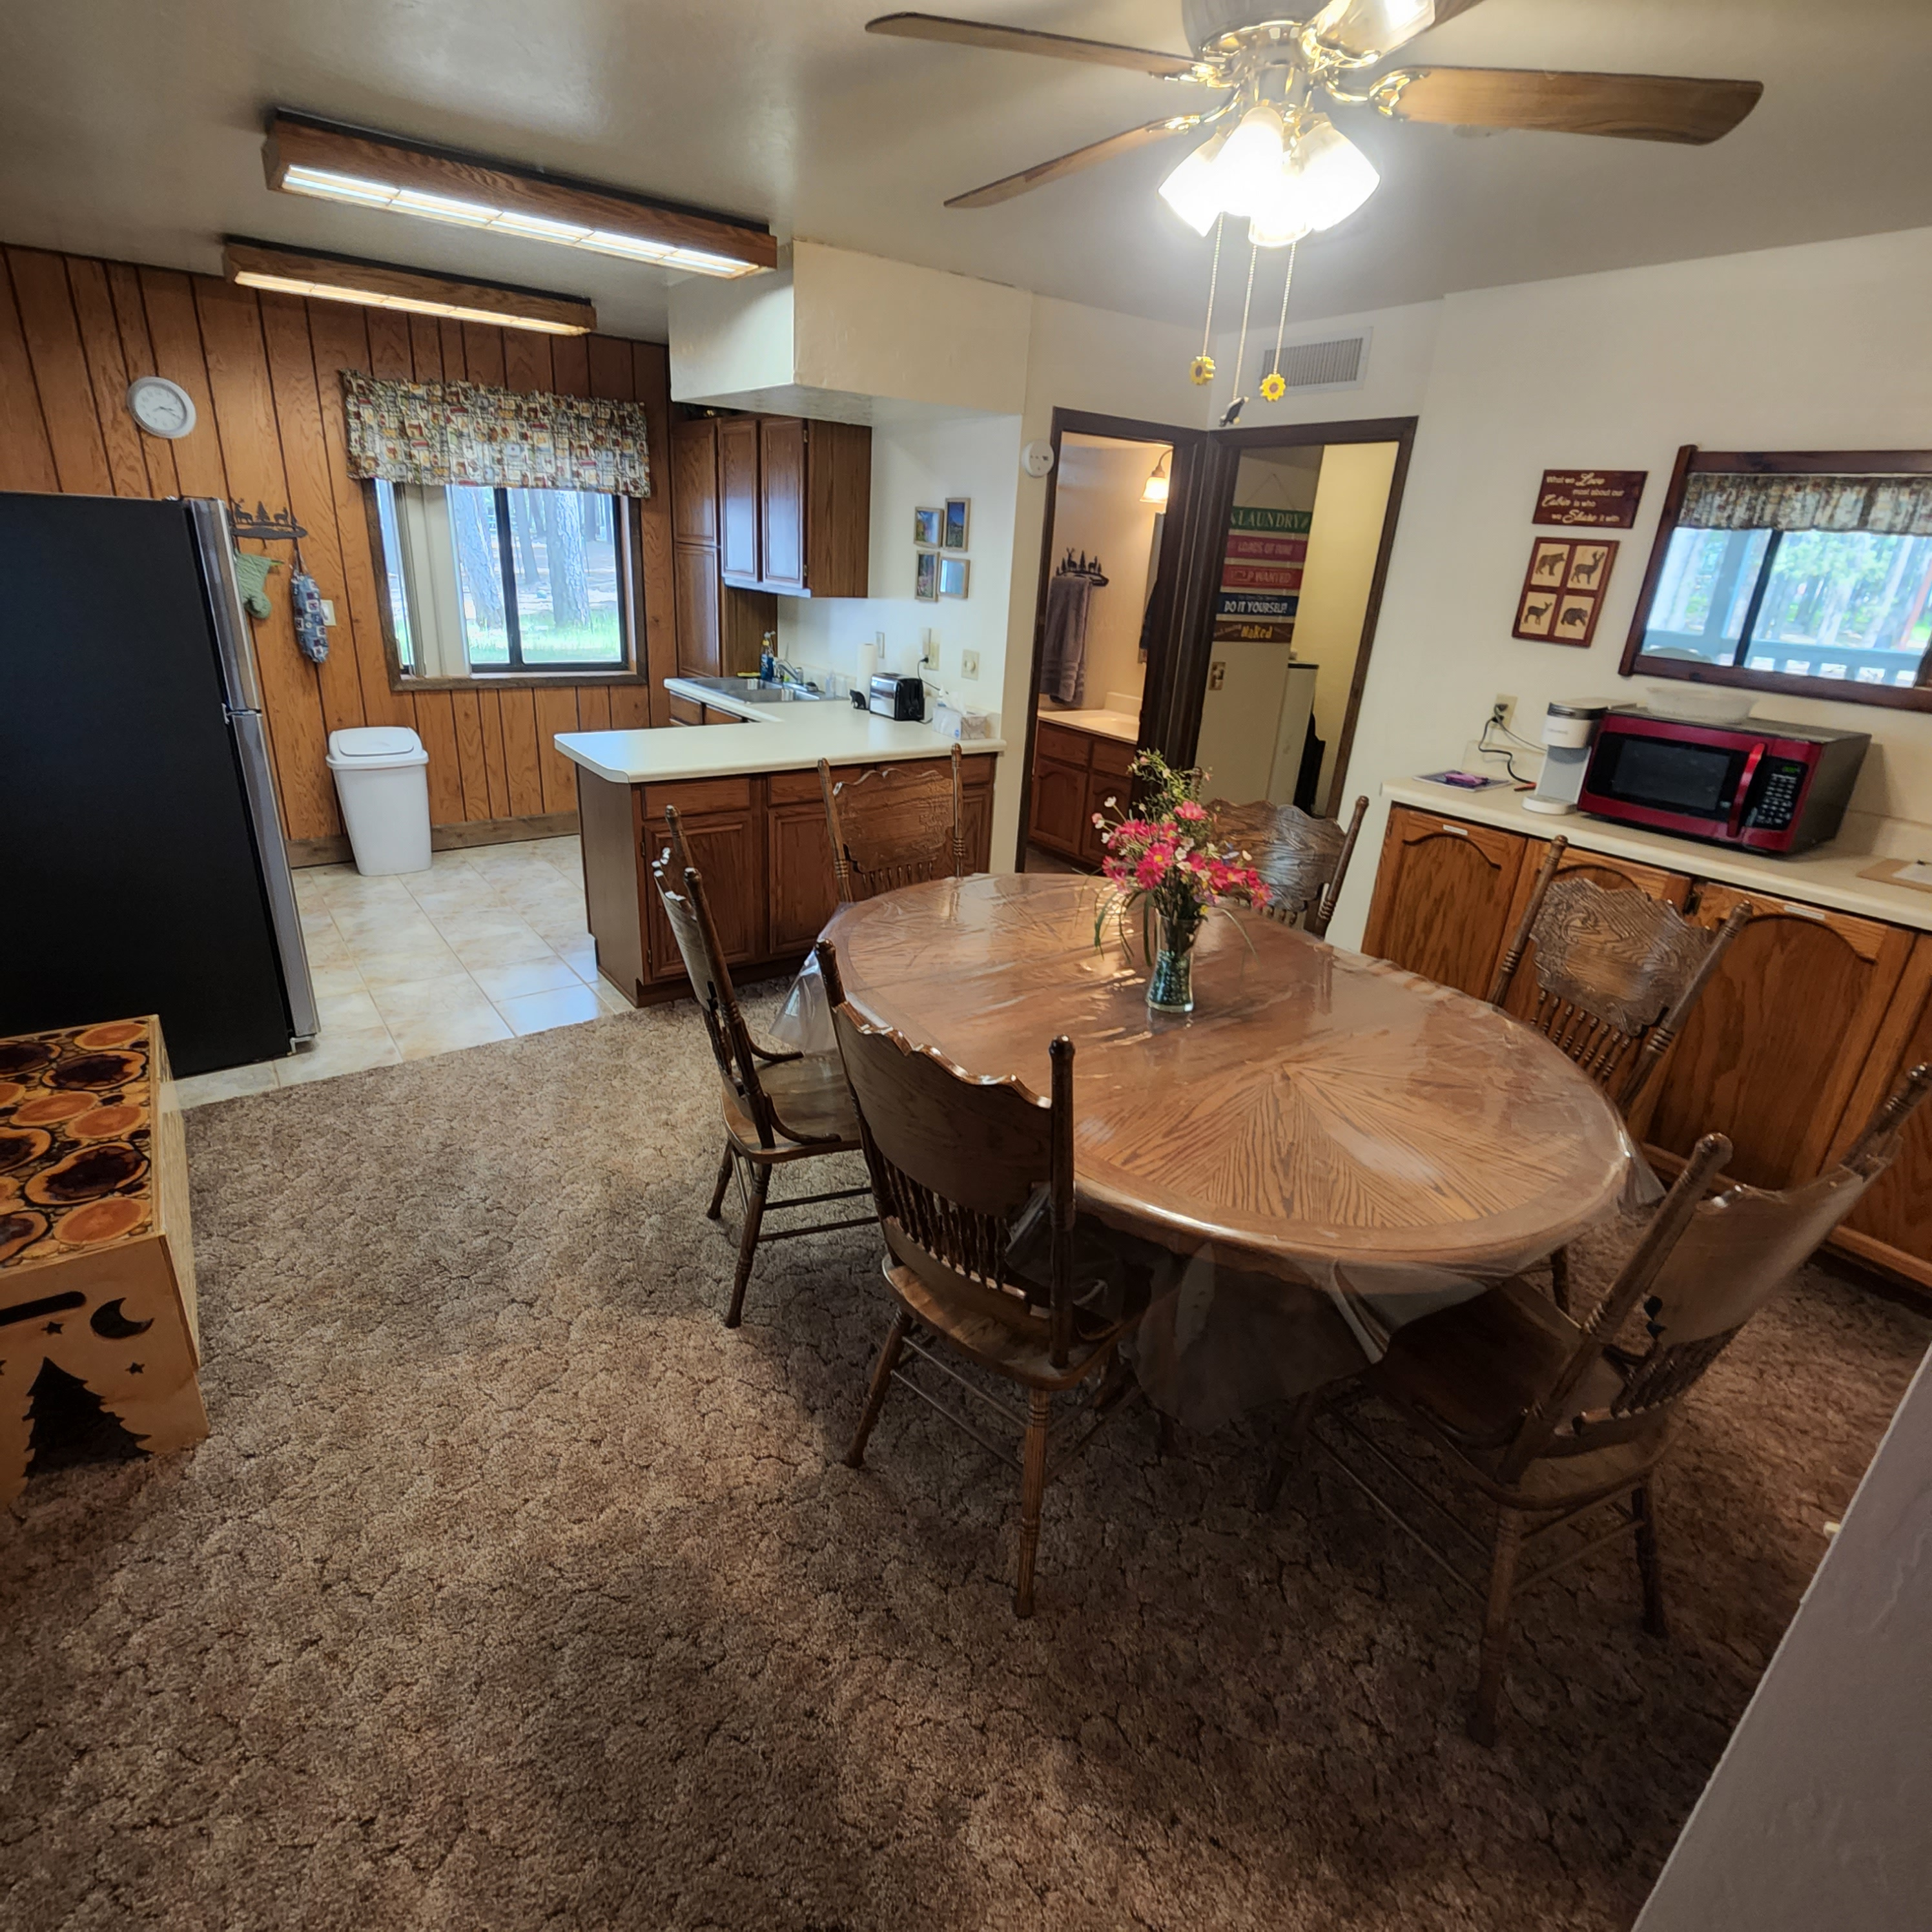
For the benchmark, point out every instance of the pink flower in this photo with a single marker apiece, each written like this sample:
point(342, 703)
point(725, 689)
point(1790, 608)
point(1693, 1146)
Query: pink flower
point(1190, 809)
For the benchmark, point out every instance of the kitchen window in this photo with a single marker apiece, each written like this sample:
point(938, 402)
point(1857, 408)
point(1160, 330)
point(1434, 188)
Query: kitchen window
point(1807, 573)
point(484, 581)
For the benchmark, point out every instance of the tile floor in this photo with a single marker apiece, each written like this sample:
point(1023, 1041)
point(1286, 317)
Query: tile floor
point(488, 943)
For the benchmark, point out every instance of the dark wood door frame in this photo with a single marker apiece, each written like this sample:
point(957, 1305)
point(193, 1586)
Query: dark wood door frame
point(1171, 717)
point(1189, 445)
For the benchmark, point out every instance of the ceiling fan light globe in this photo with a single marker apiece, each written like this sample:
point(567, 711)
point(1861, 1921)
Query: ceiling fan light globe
point(1363, 28)
point(1191, 191)
point(1281, 215)
point(1333, 176)
point(1245, 170)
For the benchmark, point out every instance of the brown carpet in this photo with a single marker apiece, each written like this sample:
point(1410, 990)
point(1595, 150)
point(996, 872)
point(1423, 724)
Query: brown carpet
point(512, 1590)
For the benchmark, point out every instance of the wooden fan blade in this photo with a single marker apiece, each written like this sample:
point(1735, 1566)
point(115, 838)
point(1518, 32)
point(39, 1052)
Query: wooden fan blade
point(1634, 106)
point(1025, 40)
point(1122, 143)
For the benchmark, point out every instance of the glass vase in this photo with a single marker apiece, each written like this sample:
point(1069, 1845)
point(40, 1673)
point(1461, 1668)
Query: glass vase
point(1170, 985)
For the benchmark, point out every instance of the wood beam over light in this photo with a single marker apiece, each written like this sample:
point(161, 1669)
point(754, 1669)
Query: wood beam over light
point(359, 169)
point(265, 264)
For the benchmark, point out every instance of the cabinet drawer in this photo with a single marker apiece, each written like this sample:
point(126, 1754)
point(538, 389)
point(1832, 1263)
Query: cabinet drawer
point(684, 711)
point(695, 795)
point(1112, 756)
point(976, 774)
point(795, 787)
point(1068, 748)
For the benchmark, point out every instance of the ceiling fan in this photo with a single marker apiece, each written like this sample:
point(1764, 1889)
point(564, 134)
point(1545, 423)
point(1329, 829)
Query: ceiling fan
point(1269, 72)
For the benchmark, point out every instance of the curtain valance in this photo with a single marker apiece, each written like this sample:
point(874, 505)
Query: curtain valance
point(467, 433)
point(1890, 506)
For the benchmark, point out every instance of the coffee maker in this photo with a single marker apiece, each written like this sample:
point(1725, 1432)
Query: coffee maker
point(1569, 726)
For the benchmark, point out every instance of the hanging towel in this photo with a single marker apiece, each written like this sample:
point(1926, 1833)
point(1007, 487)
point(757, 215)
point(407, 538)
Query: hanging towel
point(1062, 658)
point(311, 621)
point(251, 576)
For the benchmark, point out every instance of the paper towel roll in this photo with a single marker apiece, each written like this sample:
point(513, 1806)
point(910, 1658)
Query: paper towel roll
point(868, 665)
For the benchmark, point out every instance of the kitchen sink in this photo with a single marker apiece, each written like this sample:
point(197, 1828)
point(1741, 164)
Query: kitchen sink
point(755, 691)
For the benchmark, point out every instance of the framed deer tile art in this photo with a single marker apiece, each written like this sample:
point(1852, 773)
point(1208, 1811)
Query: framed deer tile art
point(1563, 590)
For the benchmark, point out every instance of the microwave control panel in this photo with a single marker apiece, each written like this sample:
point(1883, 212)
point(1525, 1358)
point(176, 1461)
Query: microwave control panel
point(1777, 794)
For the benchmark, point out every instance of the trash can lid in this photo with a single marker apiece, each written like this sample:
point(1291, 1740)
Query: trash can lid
point(374, 741)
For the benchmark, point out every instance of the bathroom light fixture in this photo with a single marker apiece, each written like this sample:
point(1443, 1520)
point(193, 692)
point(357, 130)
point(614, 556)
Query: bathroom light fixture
point(1156, 490)
point(360, 170)
point(345, 278)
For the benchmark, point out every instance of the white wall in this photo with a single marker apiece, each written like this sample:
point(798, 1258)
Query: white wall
point(1817, 1816)
point(1819, 347)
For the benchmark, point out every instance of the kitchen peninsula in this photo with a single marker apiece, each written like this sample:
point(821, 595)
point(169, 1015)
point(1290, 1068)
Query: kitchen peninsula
point(752, 811)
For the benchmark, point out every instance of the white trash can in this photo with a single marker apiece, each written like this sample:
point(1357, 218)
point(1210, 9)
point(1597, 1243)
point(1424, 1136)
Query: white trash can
point(381, 777)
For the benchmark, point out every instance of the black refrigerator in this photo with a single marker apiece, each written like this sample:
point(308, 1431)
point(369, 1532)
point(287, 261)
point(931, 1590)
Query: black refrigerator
point(142, 867)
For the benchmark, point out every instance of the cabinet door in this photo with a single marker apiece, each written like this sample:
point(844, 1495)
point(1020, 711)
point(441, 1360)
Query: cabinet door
point(728, 848)
point(1614, 875)
point(805, 890)
point(1442, 899)
point(976, 812)
point(1772, 1052)
point(1059, 799)
point(694, 574)
point(1892, 1225)
point(738, 498)
point(781, 532)
point(1101, 786)
point(694, 482)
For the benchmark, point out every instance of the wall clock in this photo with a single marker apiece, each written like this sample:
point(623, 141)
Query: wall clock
point(160, 407)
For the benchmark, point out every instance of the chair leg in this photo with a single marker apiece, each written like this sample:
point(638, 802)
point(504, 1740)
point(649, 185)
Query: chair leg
point(1496, 1626)
point(1287, 1449)
point(882, 1382)
point(1643, 1500)
point(1033, 1488)
point(747, 1239)
point(1559, 1279)
point(716, 1209)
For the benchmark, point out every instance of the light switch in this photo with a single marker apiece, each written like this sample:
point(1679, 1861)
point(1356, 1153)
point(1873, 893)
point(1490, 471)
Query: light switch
point(969, 663)
point(329, 610)
point(1217, 675)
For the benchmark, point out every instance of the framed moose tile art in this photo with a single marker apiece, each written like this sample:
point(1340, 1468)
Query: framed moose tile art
point(1563, 590)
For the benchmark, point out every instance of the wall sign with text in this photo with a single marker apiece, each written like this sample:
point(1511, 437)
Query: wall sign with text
point(1606, 498)
point(1563, 591)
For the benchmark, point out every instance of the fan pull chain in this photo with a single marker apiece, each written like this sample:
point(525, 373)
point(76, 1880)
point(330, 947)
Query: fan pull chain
point(1231, 414)
point(1274, 384)
point(1203, 370)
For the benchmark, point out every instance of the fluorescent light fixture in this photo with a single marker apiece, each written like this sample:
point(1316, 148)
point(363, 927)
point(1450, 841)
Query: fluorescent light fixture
point(343, 278)
point(1333, 176)
point(360, 170)
point(1365, 28)
point(1191, 189)
point(1156, 490)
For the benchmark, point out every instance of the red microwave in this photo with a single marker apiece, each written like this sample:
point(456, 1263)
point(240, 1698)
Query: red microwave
point(1766, 786)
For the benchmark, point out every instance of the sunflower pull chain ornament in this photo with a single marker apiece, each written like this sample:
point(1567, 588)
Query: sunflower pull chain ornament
point(1201, 371)
point(1274, 385)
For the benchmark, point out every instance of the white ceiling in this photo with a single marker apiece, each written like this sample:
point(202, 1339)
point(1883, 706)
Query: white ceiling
point(131, 128)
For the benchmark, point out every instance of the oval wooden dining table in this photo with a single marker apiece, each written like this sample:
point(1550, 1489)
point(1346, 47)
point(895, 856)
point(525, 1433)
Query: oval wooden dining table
point(1319, 1115)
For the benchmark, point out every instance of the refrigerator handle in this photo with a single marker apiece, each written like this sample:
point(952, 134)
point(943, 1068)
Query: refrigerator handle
point(235, 643)
point(258, 783)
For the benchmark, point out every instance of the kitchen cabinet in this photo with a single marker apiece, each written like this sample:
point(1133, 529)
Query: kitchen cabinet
point(795, 505)
point(725, 833)
point(719, 629)
point(1442, 898)
point(1075, 772)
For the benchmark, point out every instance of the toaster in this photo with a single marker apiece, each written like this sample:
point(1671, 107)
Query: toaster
point(899, 697)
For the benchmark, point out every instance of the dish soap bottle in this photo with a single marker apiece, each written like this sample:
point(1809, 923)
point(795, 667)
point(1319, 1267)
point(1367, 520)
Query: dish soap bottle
point(768, 659)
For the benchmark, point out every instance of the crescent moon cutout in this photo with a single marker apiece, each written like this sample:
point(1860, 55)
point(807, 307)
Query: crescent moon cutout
point(108, 1321)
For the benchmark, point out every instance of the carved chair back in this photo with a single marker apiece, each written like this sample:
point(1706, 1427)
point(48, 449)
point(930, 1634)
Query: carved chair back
point(1703, 1268)
point(1617, 973)
point(1304, 858)
point(960, 1167)
point(898, 825)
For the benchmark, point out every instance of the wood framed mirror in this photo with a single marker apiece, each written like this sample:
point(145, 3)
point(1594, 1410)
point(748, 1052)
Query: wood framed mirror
point(1808, 571)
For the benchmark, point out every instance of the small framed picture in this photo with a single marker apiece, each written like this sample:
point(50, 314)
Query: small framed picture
point(1536, 614)
point(1590, 566)
point(1548, 564)
point(1577, 618)
point(952, 576)
point(956, 508)
point(925, 577)
point(927, 527)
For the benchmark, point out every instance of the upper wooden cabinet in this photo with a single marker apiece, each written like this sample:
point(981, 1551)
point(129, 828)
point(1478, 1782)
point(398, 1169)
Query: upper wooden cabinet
point(795, 505)
point(694, 481)
point(1442, 899)
point(719, 629)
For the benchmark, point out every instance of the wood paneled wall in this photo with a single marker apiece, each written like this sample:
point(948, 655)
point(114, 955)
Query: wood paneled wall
point(263, 371)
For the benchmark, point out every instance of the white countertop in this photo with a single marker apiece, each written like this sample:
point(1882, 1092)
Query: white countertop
point(783, 738)
point(1827, 875)
point(1124, 725)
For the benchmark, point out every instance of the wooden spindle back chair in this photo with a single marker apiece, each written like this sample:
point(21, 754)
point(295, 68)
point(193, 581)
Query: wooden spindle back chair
point(959, 1165)
point(1549, 1420)
point(1617, 973)
point(898, 825)
point(777, 1107)
point(1304, 859)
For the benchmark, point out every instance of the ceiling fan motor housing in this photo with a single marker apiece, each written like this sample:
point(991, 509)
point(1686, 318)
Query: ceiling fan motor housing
point(1205, 21)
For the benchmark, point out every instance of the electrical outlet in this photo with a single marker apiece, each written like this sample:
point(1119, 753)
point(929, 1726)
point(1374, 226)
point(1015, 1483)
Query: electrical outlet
point(1502, 711)
point(929, 650)
point(969, 663)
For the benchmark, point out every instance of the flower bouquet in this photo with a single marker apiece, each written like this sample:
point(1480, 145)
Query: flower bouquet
point(1168, 860)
